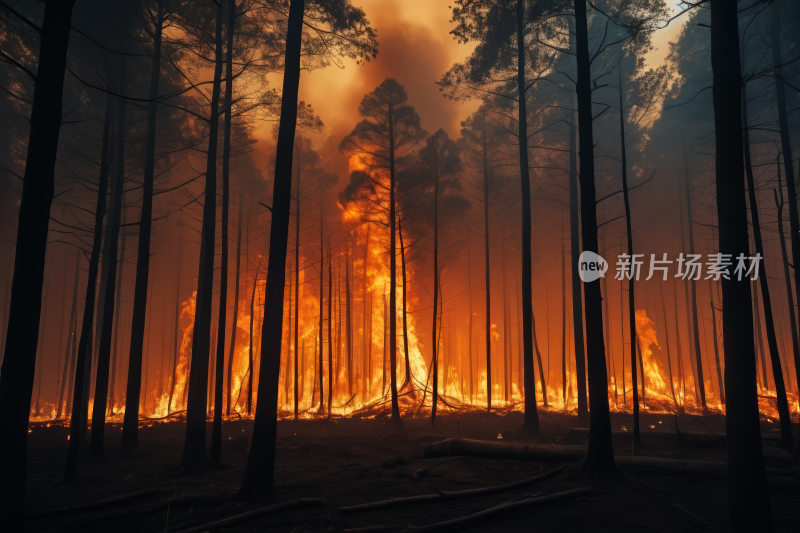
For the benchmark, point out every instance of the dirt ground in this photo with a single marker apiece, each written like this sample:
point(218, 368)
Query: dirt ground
point(349, 462)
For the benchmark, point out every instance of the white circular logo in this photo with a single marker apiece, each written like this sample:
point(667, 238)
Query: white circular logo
point(591, 267)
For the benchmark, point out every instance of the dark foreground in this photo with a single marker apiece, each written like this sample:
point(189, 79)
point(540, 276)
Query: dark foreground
point(349, 462)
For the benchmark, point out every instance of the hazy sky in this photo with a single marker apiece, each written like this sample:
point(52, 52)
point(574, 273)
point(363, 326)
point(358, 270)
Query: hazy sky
point(416, 48)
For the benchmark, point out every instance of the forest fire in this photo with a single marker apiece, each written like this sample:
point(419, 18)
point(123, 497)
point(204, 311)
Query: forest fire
point(242, 288)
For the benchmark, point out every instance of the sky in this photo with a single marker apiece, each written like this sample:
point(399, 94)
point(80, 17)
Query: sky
point(416, 49)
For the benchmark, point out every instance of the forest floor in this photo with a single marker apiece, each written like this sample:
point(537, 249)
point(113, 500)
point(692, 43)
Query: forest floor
point(350, 462)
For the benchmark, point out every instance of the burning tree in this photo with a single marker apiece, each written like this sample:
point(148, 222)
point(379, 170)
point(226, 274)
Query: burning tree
point(380, 143)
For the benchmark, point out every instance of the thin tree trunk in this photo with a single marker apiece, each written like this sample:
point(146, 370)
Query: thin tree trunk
point(786, 276)
point(365, 377)
point(398, 423)
point(250, 350)
point(71, 336)
point(194, 448)
point(531, 421)
point(76, 427)
point(115, 356)
point(700, 383)
point(599, 455)
point(130, 427)
point(216, 433)
point(760, 354)
point(348, 319)
point(330, 332)
point(469, 295)
point(716, 346)
point(488, 278)
point(666, 335)
point(178, 336)
point(434, 342)
point(748, 496)
point(689, 311)
point(260, 471)
point(786, 148)
point(112, 239)
point(575, 251)
point(772, 341)
point(633, 270)
point(407, 379)
point(506, 365)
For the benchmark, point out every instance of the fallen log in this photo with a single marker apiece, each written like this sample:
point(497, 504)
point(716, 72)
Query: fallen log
point(540, 452)
point(302, 503)
point(499, 510)
point(100, 504)
point(446, 496)
point(504, 450)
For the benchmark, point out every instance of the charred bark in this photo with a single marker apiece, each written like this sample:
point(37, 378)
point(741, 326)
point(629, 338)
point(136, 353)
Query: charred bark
point(260, 472)
point(599, 456)
point(112, 240)
point(748, 496)
point(77, 428)
point(194, 448)
point(216, 432)
point(130, 426)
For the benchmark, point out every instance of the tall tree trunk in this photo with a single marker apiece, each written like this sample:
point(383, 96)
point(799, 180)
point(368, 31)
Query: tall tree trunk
point(682, 382)
point(786, 276)
point(70, 336)
point(599, 455)
point(18, 370)
point(330, 332)
point(194, 448)
point(77, 420)
point(216, 433)
point(633, 270)
point(748, 497)
point(531, 421)
point(469, 295)
point(760, 355)
point(40, 341)
point(260, 471)
point(434, 341)
point(488, 277)
point(398, 423)
point(348, 319)
point(115, 343)
point(716, 345)
point(666, 335)
point(112, 239)
point(178, 336)
point(130, 426)
point(365, 377)
point(251, 347)
point(610, 366)
point(506, 364)
point(699, 381)
point(575, 251)
point(234, 327)
point(786, 148)
point(407, 379)
point(564, 310)
point(772, 341)
point(322, 298)
point(688, 313)
point(297, 286)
